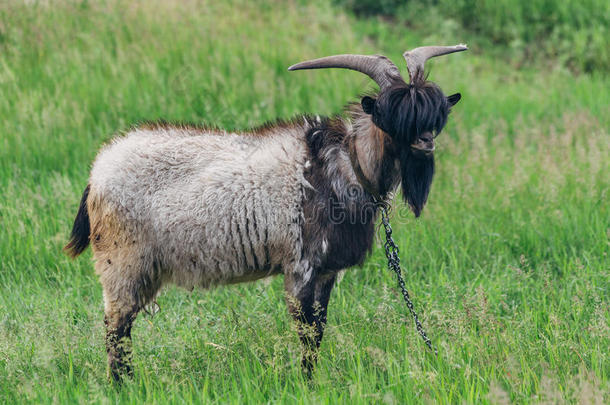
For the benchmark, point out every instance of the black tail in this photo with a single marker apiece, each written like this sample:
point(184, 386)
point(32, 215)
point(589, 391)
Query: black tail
point(79, 239)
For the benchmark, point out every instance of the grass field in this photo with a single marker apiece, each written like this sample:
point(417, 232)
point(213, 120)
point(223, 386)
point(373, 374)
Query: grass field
point(508, 264)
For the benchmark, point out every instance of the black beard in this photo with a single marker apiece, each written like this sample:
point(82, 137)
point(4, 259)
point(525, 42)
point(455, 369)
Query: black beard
point(416, 172)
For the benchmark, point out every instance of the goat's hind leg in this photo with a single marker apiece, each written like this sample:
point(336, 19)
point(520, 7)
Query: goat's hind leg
point(128, 287)
point(118, 318)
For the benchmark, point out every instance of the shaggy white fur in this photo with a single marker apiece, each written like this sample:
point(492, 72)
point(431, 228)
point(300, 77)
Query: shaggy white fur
point(206, 207)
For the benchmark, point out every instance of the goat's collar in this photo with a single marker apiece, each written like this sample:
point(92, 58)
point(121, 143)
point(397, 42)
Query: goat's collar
point(365, 182)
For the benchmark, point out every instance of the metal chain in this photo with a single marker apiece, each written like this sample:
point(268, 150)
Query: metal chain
point(391, 252)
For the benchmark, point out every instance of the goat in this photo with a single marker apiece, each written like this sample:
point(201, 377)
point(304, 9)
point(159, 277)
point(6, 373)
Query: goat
point(200, 207)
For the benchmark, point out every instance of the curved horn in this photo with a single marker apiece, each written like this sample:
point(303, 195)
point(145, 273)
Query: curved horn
point(377, 67)
point(417, 57)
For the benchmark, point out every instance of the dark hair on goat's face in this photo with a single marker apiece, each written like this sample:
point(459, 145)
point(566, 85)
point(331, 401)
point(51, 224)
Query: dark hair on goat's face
point(405, 111)
point(412, 114)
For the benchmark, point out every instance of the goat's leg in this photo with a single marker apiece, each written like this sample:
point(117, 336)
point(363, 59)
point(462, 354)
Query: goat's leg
point(307, 299)
point(119, 317)
point(129, 284)
point(129, 274)
point(323, 287)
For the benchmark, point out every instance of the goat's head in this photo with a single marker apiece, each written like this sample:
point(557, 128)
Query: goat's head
point(412, 114)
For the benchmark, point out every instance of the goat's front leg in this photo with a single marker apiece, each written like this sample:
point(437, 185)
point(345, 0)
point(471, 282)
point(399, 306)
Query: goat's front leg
point(307, 295)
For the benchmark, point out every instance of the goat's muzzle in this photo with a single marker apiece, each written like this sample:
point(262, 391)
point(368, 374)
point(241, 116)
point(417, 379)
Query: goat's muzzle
point(424, 144)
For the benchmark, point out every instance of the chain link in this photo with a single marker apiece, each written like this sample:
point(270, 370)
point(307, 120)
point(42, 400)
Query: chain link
point(391, 252)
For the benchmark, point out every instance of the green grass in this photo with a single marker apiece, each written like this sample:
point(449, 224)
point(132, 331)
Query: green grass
point(508, 265)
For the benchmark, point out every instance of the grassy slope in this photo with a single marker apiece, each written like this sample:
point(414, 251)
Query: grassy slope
point(509, 261)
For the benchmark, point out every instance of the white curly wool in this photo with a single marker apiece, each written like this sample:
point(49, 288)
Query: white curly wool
point(201, 207)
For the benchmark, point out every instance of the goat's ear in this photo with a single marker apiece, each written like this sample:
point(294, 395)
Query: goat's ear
point(368, 104)
point(453, 99)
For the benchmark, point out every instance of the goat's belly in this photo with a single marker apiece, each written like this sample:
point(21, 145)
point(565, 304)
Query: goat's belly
point(227, 251)
point(206, 277)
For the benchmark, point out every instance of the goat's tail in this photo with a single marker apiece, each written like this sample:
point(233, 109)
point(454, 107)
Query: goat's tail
point(79, 239)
